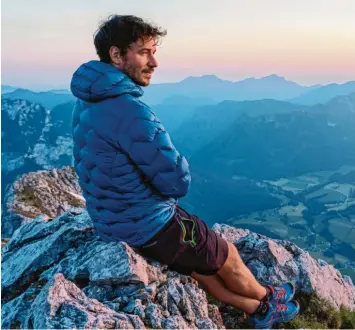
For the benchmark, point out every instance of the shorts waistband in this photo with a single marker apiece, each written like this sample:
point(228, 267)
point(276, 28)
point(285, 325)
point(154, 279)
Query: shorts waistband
point(165, 227)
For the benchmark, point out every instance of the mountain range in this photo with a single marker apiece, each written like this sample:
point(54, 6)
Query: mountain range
point(273, 166)
point(46, 99)
point(324, 94)
point(216, 89)
point(207, 89)
point(235, 138)
point(42, 140)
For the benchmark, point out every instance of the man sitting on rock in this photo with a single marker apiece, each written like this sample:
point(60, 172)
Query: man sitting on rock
point(132, 175)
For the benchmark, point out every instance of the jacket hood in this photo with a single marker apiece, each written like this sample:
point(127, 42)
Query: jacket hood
point(95, 80)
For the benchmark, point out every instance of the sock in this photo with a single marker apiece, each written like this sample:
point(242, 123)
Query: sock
point(268, 293)
point(262, 309)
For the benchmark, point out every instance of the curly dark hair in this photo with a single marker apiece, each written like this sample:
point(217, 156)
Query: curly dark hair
point(121, 31)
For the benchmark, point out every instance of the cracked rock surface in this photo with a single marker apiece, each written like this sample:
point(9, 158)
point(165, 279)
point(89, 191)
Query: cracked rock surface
point(59, 274)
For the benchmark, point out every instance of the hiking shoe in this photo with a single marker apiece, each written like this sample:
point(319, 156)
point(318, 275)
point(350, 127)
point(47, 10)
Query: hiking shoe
point(280, 294)
point(275, 314)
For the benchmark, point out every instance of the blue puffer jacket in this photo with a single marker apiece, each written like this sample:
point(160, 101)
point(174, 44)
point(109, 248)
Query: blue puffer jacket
point(130, 172)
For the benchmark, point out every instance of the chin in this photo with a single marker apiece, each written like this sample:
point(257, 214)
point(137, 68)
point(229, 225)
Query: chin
point(144, 82)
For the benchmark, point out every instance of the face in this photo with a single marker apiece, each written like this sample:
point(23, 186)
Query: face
point(139, 62)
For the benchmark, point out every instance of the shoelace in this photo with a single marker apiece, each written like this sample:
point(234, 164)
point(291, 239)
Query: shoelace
point(280, 293)
point(280, 309)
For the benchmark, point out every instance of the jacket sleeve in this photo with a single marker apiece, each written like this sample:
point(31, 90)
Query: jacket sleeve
point(143, 138)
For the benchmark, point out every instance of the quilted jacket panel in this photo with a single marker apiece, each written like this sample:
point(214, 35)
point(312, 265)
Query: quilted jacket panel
point(129, 170)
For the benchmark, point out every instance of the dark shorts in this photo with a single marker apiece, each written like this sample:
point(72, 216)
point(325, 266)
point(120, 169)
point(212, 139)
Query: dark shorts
point(187, 244)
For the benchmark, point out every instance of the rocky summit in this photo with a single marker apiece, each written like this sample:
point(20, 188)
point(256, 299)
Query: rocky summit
point(60, 274)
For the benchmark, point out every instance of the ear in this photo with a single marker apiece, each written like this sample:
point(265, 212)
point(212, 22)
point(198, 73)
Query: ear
point(115, 55)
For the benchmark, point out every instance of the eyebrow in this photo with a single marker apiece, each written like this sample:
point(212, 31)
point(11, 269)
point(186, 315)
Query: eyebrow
point(147, 49)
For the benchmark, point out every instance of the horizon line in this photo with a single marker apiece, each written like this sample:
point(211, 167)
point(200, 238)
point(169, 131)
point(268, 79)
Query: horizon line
point(195, 76)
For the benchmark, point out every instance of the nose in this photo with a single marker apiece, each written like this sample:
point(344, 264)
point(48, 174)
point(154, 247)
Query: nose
point(153, 62)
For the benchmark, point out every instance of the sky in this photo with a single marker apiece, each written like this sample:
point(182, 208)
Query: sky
point(307, 41)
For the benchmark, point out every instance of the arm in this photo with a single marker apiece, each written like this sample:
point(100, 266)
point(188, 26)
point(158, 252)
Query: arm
point(143, 138)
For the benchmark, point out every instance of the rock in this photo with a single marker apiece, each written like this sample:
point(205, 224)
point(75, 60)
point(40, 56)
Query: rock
point(230, 234)
point(4, 242)
point(45, 194)
point(277, 261)
point(60, 274)
point(10, 222)
point(63, 305)
point(348, 279)
point(36, 246)
point(215, 316)
point(15, 312)
point(322, 262)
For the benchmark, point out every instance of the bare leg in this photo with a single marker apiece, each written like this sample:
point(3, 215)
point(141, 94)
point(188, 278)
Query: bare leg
point(238, 278)
point(215, 286)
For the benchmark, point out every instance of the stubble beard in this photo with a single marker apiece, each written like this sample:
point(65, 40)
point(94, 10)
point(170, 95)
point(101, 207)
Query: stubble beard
point(135, 74)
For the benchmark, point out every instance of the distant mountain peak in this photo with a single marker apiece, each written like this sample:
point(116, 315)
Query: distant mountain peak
point(206, 77)
point(274, 77)
point(210, 76)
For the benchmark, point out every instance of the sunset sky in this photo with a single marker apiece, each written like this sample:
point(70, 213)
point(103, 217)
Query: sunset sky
point(306, 41)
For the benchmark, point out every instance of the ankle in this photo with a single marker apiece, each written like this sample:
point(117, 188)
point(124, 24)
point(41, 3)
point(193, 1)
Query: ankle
point(261, 310)
point(264, 293)
point(269, 292)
